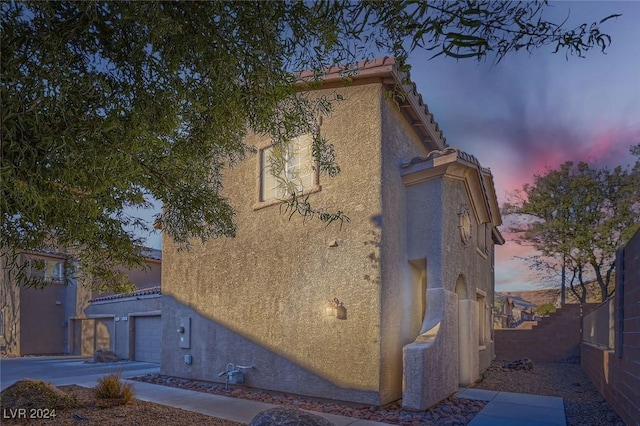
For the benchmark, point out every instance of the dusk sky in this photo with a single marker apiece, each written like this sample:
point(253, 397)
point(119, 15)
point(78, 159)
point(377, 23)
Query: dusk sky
point(530, 113)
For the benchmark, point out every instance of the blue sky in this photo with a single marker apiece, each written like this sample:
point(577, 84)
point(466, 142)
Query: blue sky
point(530, 113)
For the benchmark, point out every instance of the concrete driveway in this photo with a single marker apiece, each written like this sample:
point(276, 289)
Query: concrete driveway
point(68, 370)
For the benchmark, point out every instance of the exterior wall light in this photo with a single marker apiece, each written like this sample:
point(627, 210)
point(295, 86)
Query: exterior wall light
point(335, 307)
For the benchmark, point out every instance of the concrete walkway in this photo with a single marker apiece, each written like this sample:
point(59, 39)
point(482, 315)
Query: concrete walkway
point(503, 408)
point(515, 409)
point(223, 407)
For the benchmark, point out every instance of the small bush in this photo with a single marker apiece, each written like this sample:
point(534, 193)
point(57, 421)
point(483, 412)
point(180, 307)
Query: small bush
point(545, 310)
point(112, 388)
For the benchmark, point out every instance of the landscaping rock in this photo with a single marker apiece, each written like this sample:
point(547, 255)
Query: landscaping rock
point(467, 408)
point(33, 393)
point(282, 416)
point(452, 421)
point(521, 364)
point(105, 356)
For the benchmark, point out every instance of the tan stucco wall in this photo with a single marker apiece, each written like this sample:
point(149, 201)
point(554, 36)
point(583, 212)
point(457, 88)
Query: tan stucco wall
point(149, 276)
point(401, 304)
point(43, 325)
point(268, 285)
point(476, 268)
point(455, 273)
point(258, 299)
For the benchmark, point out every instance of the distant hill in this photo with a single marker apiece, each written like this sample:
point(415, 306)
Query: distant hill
point(540, 297)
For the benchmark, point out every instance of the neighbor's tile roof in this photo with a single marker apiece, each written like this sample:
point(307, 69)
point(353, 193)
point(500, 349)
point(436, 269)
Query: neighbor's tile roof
point(142, 292)
point(151, 253)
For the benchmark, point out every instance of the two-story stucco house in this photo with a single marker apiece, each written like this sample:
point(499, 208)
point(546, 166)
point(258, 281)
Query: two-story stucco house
point(412, 272)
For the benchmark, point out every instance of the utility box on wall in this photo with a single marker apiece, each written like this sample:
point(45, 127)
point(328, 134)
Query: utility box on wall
point(184, 331)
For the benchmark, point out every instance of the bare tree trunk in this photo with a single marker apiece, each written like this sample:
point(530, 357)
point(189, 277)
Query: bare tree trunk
point(582, 295)
point(563, 286)
point(10, 306)
point(583, 299)
point(604, 286)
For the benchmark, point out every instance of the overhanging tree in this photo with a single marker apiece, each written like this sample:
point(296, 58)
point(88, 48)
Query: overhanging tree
point(106, 105)
point(577, 217)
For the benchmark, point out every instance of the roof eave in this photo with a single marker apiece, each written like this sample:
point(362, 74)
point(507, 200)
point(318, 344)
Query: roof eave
point(385, 71)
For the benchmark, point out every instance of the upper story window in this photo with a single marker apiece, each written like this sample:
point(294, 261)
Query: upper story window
point(287, 169)
point(46, 269)
point(481, 238)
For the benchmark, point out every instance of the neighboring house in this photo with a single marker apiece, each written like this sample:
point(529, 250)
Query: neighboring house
point(528, 315)
point(128, 324)
point(505, 316)
point(522, 309)
point(62, 318)
point(395, 304)
point(514, 310)
point(36, 321)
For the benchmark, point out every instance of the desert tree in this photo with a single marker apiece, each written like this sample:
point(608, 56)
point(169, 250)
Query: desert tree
point(577, 217)
point(108, 105)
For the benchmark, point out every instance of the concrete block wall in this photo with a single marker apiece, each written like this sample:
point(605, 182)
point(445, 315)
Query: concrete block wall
point(616, 373)
point(555, 338)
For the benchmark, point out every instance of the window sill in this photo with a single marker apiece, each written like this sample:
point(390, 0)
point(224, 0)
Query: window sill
point(263, 204)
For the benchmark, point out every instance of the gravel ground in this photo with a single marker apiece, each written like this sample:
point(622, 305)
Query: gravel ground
point(450, 412)
point(583, 404)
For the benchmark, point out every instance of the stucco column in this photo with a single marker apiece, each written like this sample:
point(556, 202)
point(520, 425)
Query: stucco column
point(429, 372)
point(468, 341)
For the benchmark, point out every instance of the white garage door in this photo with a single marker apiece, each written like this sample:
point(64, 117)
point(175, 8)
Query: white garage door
point(147, 339)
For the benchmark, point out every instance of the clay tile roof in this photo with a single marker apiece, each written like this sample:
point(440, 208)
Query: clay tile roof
point(448, 150)
point(151, 253)
point(385, 67)
point(359, 69)
point(143, 292)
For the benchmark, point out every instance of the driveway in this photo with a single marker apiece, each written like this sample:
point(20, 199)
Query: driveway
point(68, 370)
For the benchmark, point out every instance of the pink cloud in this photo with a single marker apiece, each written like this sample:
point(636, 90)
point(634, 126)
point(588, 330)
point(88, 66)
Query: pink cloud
point(547, 151)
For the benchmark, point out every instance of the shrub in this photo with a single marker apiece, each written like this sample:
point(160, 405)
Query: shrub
point(545, 310)
point(113, 389)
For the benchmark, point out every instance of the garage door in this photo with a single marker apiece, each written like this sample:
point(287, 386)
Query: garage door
point(147, 339)
point(91, 334)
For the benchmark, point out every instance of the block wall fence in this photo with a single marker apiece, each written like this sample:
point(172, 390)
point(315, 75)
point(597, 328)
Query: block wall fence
point(554, 339)
point(613, 364)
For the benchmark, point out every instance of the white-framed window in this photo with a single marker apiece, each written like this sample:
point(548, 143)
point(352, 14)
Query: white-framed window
point(483, 237)
point(46, 269)
point(298, 173)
